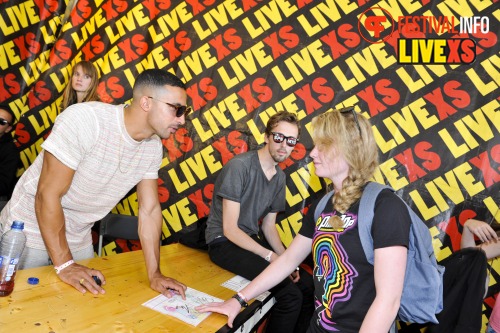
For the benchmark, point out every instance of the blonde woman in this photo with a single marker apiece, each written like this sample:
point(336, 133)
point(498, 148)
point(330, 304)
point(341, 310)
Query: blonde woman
point(351, 295)
point(82, 85)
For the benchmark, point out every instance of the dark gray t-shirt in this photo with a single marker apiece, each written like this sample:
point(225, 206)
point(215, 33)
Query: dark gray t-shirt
point(243, 180)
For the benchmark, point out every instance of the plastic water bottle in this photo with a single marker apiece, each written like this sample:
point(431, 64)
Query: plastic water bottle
point(11, 248)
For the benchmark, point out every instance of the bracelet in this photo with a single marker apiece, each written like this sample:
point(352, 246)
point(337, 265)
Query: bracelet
point(63, 266)
point(243, 297)
point(269, 255)
point(240, 300)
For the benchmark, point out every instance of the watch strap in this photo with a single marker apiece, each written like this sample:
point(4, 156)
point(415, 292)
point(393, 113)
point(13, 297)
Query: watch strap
point(240, 300)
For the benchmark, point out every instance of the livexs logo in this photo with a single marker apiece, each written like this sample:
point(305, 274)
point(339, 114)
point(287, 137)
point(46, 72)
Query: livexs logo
point(376, 25)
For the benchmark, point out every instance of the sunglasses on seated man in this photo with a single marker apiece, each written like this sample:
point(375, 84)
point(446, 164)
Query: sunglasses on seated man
point(180, 110)
point(290, 140)
point(4, 122)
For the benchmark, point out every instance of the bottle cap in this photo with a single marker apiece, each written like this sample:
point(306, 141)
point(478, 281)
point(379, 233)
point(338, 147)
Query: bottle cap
point(33, 280)
point(17, 225)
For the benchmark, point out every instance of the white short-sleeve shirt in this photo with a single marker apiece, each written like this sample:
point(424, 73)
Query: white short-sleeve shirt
point(91, 139)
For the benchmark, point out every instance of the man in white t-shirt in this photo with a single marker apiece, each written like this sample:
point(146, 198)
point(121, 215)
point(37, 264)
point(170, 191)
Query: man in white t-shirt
point(95, 154)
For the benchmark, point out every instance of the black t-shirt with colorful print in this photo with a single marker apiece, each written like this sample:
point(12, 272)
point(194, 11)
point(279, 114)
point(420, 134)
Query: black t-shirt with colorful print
point(343, 278)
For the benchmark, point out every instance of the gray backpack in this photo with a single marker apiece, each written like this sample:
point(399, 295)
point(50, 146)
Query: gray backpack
point(422, 296)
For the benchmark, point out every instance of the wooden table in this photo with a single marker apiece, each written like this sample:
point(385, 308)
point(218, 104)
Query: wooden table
point(53, 306)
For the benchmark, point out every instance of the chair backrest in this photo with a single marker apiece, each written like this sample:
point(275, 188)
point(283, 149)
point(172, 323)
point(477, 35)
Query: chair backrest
point(118, 226)
point(2, 204)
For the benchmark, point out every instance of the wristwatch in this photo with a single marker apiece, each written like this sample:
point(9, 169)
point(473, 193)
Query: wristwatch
point(240, 300)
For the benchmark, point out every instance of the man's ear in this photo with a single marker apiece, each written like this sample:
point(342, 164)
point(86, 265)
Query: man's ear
point(145, 103)
point(8, 129)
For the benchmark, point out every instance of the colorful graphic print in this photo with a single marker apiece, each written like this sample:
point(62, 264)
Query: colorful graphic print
point(332, 266)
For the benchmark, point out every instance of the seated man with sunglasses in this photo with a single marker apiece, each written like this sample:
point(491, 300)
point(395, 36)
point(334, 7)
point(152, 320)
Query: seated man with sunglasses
point(250, 189)
point(9, 154)
point(95, 154)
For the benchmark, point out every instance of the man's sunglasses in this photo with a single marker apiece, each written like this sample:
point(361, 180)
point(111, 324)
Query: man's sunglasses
point(180, 110)
point(350, 109)
point(4, 122)
point(290, 140)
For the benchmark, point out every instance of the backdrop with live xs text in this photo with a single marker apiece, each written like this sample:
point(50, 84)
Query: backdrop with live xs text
point(435, 113)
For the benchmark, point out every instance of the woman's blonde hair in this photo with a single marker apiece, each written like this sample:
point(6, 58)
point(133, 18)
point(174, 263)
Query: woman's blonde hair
point(338, 131)
point(69, 95)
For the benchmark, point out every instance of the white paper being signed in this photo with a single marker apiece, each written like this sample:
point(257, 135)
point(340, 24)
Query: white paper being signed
point(183, 309)
point(237, 283)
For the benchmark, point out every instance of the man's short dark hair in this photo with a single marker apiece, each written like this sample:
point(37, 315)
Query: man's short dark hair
point(282, 116)
point(158, 78)
point(9, 111)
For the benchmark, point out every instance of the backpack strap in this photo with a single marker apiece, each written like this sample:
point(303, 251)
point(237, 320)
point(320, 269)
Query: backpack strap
point(322, 204)
point(365, 216)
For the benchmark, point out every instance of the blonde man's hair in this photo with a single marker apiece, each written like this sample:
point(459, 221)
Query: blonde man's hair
point(338, 132)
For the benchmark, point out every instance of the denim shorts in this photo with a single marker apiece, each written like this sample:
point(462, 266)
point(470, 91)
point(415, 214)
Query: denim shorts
point(490, 330)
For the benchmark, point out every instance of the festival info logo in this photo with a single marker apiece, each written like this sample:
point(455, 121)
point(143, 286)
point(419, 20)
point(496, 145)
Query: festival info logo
point(410, 34)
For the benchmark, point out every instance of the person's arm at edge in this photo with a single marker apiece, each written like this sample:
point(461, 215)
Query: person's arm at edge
point(490, 242)
point(270, 277)
point(389, 272)
point(55, 181)
point(230, 215)
point(150, 224)
point(481, 229)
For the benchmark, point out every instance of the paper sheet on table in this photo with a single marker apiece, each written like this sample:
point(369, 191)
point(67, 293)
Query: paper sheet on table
point(183, 309)
point(237, 283)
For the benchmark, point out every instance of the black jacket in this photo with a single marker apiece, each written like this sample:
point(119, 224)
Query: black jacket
point(9, 160)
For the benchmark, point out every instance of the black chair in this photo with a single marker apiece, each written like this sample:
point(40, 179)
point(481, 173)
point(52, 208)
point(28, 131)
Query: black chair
point(2, 204)
point(118, 226)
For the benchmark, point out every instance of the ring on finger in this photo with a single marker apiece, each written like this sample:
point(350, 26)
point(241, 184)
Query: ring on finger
point(82, 280)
